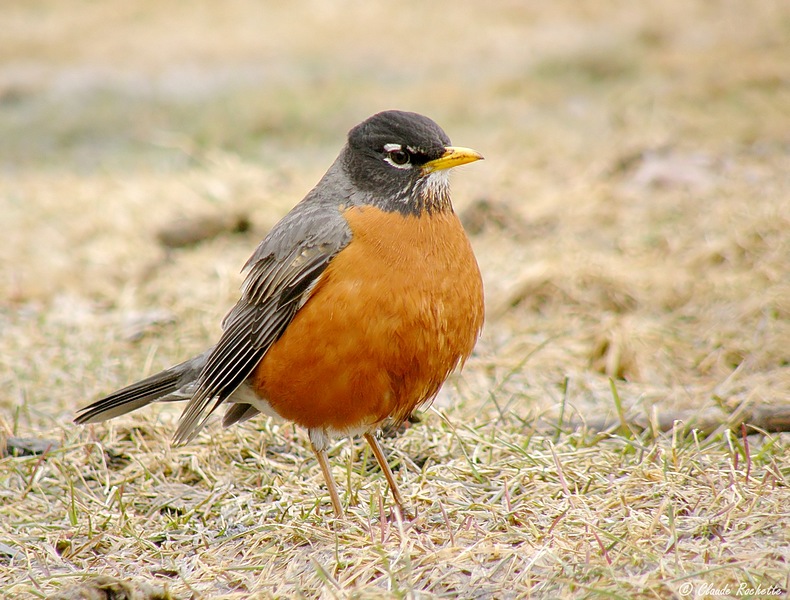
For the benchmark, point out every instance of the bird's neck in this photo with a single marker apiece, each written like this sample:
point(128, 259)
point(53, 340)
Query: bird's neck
point(428, 195)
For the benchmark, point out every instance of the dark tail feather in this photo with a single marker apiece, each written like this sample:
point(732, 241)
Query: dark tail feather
point(153, 388)
point(237, 413)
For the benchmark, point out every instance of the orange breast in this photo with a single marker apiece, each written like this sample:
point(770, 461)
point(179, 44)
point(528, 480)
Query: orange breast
point(390, 317)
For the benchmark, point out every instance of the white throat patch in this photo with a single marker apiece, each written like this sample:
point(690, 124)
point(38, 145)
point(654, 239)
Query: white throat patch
point(437, 183)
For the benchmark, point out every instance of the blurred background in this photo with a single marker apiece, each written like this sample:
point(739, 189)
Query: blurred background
point(95, 85)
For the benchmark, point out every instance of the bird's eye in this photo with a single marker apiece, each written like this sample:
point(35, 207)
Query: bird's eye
point(399, 157)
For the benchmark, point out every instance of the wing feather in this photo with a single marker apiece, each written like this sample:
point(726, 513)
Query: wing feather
point(277, 285)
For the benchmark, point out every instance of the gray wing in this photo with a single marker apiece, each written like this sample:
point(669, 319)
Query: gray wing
point(280, 277)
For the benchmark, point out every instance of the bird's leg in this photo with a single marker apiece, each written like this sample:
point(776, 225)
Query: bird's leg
point(382, 460)
point(323, 460)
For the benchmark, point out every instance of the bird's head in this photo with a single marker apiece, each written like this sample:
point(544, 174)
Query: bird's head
point(399, 161)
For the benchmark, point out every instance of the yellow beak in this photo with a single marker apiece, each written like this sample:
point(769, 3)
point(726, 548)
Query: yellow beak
point(452, 157)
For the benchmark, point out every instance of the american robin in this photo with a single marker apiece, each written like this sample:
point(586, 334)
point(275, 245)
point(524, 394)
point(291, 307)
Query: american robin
point(355, 307)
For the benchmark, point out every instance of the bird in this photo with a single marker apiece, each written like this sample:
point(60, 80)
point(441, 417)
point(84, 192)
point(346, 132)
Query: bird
point(354, 309)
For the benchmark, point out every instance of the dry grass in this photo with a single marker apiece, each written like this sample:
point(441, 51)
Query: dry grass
point(637, 165)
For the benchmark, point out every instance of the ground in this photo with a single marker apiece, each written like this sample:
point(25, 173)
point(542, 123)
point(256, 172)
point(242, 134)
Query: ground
point(631, 221)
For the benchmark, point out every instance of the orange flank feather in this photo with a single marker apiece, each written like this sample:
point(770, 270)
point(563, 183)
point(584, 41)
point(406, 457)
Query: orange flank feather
point(391, 316)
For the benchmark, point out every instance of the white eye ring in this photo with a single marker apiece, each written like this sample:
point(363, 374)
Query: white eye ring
point(397, 156)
